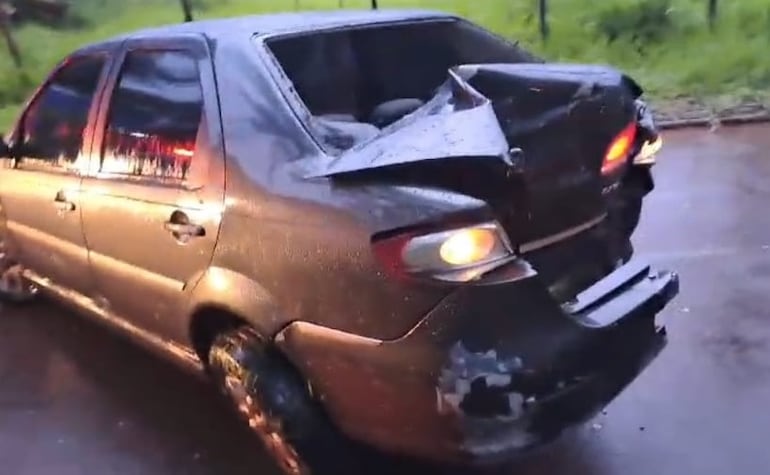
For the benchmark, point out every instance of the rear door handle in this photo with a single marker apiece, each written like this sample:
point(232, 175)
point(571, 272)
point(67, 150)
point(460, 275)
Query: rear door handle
point(195, 230)
point(61, 202)
point(181, 228)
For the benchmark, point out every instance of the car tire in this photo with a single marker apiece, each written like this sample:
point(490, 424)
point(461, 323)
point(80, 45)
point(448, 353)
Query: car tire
point(276, 402)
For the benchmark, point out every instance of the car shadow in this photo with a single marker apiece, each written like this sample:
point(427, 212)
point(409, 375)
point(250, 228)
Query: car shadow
point(174, 416)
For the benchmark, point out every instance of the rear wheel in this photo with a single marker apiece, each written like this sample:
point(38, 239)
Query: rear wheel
point(276, 402)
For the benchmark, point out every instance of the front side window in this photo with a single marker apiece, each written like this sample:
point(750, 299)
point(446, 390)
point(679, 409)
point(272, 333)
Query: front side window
point(52, 127)
point(154, 116)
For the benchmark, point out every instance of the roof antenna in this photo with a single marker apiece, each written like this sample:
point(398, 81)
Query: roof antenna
point(187, 9)
point(374, 4)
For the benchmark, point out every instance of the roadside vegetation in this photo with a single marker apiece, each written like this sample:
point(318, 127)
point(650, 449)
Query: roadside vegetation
point(667, 44)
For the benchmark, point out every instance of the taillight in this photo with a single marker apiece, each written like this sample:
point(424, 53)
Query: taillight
point(456, 255)
point(619, 149)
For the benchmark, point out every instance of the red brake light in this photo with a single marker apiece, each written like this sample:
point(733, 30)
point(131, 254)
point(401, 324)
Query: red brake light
point(619, 148)
point(452, 255)
point(390, 253)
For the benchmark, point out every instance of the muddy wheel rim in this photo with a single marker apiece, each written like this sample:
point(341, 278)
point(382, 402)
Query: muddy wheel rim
point(267, 429)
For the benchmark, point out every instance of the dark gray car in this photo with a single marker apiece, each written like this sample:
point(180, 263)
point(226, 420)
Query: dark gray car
point(389, 229)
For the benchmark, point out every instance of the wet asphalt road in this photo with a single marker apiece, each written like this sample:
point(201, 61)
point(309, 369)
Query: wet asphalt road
point(76, 400)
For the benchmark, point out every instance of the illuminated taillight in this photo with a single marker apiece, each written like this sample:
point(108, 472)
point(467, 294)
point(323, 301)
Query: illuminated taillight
point(468, 246)
point(456, 255)
point(619, 149)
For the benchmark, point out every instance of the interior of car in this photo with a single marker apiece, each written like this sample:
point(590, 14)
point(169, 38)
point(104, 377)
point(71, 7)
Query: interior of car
point(356, 81)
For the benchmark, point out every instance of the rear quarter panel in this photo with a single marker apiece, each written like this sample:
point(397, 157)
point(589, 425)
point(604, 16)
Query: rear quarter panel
point(313, 262)
point(304, 245)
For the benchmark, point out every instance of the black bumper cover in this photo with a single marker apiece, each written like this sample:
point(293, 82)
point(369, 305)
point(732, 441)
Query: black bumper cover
point(619, 339)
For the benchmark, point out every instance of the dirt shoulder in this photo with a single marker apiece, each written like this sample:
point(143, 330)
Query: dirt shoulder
point(692, 112)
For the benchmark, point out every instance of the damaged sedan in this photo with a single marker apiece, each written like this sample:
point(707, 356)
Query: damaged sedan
point(387, 230)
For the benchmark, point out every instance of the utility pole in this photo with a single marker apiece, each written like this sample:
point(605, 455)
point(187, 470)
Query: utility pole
point(712, 14)
point(187, 9)
point(543, 13)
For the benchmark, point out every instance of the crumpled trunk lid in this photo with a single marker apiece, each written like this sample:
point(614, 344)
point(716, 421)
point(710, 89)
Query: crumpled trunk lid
point(529, 139)
point(563, 118)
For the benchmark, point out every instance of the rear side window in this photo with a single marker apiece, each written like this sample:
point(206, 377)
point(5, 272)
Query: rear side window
point(154, 116)
point(52, 127)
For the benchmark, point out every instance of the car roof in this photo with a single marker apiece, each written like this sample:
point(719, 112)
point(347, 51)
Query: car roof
point(294, 22)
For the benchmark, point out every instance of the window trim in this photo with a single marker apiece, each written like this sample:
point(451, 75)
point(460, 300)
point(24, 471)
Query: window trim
point(184, 45)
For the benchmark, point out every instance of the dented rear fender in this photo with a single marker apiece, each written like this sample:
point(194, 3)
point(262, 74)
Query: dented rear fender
point(492, 370)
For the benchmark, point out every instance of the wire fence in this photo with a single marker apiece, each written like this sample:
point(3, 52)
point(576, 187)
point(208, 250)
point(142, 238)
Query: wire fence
point(643, 13)
point(543, 10)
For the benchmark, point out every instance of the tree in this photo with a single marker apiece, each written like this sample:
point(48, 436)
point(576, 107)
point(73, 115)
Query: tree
point(47, 12)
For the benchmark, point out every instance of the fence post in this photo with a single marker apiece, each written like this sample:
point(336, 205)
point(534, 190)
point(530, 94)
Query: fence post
point(6, 11)
point(187, 10)
point(712, 13)
point(543, 13)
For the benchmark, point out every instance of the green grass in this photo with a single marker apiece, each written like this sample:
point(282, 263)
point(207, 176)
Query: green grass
point(730, 63)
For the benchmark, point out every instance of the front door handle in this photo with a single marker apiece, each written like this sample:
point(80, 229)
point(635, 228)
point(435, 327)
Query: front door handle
point(61, 202)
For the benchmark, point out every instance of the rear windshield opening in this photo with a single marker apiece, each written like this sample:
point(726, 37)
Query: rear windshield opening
point(356, 81)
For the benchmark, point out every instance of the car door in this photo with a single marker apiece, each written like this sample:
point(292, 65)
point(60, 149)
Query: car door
point(151, 211)
point(40, 188)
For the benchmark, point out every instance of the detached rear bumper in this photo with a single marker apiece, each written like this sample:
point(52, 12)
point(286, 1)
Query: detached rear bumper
point(492, 370)
point(618, 339)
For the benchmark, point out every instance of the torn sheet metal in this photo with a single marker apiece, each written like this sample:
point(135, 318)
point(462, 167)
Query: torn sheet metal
point(483, 377)
point(488, 133)
point(483, 110)
point(457, 122)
